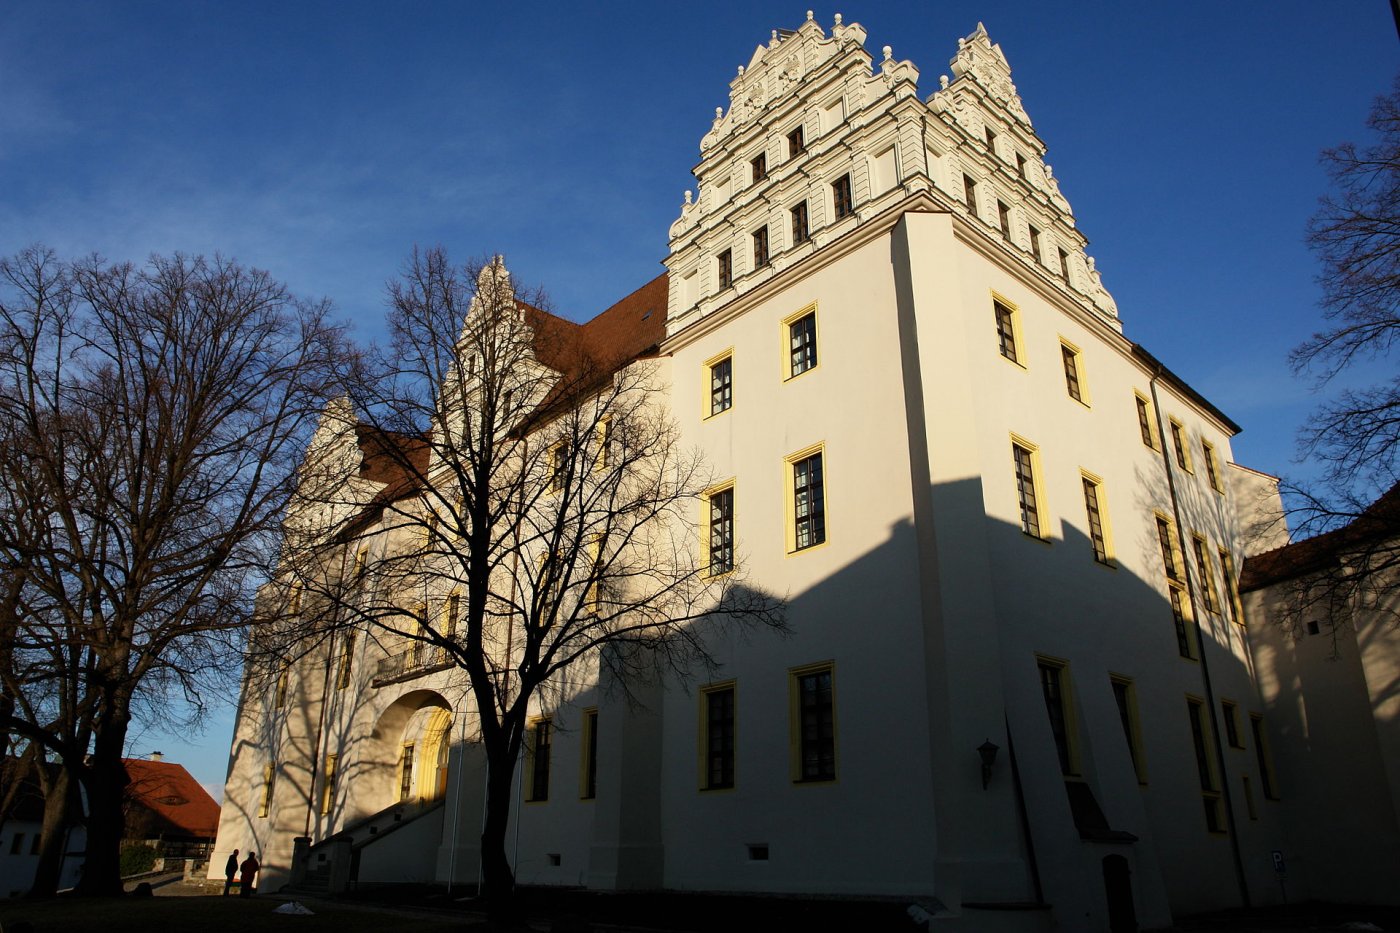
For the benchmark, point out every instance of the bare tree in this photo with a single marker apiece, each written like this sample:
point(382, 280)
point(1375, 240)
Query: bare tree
point(1356, 235)
point(536, 513)
point(152, 419)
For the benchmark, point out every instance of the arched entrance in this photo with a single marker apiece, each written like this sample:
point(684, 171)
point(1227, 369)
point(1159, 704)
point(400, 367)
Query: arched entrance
point(409, 746)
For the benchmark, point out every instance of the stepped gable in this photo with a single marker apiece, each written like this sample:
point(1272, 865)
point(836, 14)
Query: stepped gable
point(811, 109)
point(172, 794)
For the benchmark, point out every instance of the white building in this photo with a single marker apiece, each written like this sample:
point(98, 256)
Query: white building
point(1000, 522)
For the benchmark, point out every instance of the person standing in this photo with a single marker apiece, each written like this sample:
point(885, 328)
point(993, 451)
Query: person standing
point(246, 873)
point(230, 870)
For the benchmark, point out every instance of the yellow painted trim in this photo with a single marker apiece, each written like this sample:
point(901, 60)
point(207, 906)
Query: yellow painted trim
point(556, 473)
point(789, 489)
point(795, 724)
point(602, 440)
point(785, 341)
point(1196, 706)
point(706, 395)
point(328, 783)
point(705, 505)
point(269, 773)
point(1078, 371)
point(1042, 502)
point(1071, 710)
point(436, 731)
point(1232, 587)
point(528, 772)
point(1151, 420)
point(1206, 570)
point(1018, 341)
point(1212, 466)
point(1110, 559)
point(1230, 713)
point(702, 738)
point(586, 739)
point(1181, 445)
point(1139, 754)
point(407, 759)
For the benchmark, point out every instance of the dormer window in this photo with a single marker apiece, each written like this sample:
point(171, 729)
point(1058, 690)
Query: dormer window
point(760, 167)
point(796, 143)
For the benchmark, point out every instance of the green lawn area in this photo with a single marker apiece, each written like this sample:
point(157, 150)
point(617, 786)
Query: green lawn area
point(212, 914)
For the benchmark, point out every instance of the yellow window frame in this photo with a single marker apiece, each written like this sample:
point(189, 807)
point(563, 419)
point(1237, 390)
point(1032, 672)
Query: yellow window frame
point(1018, 342)
point(789, 499)
point(785, 341)
point(702, 743)
point(706, 517)
point(795, 675)
point(707, 396)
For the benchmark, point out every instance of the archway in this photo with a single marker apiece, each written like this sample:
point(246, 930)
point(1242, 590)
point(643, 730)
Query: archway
point(407, 748)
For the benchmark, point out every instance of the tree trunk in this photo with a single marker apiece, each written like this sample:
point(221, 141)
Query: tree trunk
point(60, 812)
point(105, 781)
point(498, 881)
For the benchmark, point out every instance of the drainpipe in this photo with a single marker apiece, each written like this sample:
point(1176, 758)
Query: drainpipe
point(1201, 650)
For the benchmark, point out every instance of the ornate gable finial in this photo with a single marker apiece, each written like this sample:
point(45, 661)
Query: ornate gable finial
point(983, 61)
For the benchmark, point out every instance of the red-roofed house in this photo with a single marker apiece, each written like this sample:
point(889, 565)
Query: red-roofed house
point(168, 808)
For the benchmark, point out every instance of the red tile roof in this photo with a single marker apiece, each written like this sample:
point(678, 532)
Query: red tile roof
point(1377, 525)
point(630, 329)
point(173, 795)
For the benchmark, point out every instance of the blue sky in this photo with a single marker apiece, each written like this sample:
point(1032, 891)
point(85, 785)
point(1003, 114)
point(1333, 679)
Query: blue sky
point(321, 141)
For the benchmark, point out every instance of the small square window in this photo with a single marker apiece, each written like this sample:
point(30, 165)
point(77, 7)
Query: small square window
point(721, 384)
point(802, 344)
point(799, 224)
point(726, 269)
point(760, 167)
point(841, 197)
point(796, 143)
point(760, 247)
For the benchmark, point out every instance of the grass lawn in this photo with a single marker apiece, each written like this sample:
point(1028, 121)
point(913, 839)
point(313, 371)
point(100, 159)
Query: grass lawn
point(212, 914)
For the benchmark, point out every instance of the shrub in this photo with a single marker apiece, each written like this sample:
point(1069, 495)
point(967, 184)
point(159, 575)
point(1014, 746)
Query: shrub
point(137, 858)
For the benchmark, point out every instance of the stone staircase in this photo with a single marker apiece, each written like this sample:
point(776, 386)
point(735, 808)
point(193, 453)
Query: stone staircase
point(330, 866)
